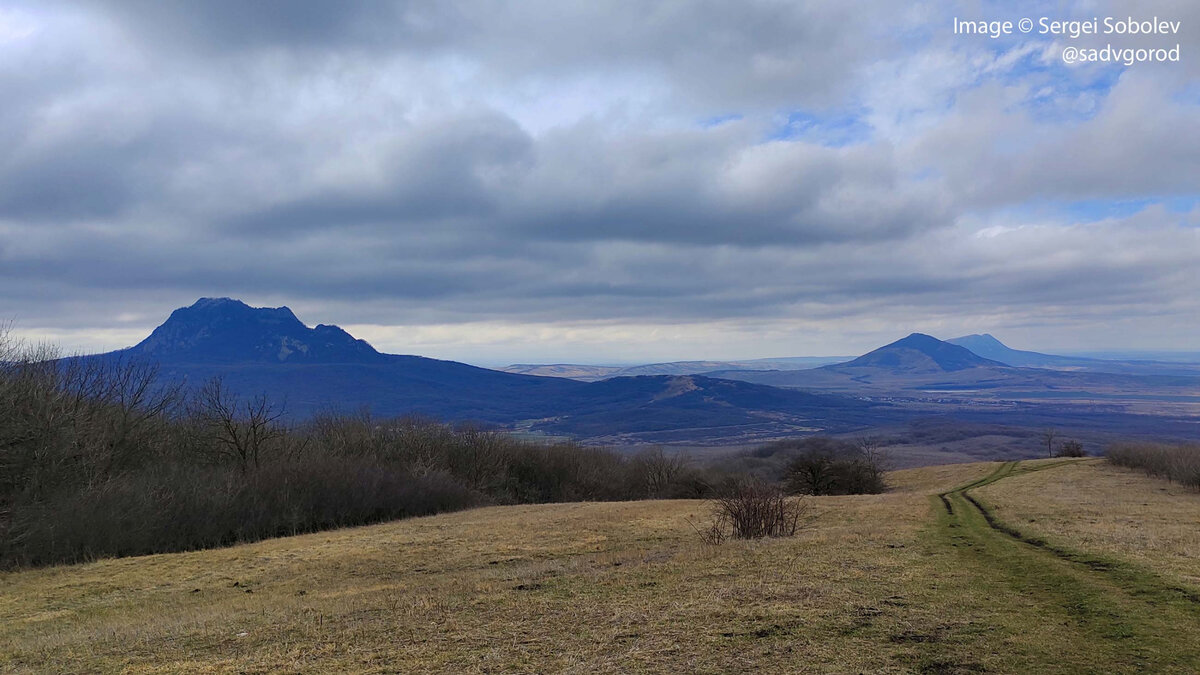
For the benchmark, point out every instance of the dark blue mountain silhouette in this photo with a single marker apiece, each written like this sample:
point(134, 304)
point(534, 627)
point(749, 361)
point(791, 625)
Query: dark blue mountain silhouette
point(920, 353)
point(222, 330)
point(989, 347)
point(269, 350)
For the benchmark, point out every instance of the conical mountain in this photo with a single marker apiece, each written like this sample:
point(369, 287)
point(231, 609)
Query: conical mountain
point(920, 353)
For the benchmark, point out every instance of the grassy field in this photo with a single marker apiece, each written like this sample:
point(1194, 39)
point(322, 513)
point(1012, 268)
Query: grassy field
point(1107, 510)
point(916, 580)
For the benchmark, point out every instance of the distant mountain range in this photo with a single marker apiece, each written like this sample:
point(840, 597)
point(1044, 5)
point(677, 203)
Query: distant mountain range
point(269, 350)
point(917, 360)
point(921, 367)
point(589, 373)
point(987, 346)
point(920, 353)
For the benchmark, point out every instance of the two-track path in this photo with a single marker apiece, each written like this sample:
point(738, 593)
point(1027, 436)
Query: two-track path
point(1132, 619)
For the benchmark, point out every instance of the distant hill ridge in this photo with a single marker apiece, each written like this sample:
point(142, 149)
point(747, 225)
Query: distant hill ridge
point(323, 369)
point(313, 370)
point(987, 346)
point(591, 373)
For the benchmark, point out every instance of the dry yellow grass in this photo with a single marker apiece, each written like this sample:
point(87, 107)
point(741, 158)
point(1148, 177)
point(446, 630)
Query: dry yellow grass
point(875, 584)
point(1096, 507)
point(556, 587)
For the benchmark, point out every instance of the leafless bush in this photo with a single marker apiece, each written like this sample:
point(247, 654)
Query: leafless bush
point(172, 507)
point(479, 458)
point(844, 470)
point(713, 534)
point(1071, 448)
point(1177, 463)
point(659, 469)
point(753, 510)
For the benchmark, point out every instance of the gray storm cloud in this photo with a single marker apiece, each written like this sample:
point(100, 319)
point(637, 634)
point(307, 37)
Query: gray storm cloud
point(401, 164)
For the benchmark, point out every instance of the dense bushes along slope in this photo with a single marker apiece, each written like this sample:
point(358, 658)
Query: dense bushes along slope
point(98, 460)
point(1177, 463)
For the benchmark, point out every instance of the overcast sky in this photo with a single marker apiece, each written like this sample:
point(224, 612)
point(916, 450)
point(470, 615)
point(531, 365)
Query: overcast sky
point(550, 181)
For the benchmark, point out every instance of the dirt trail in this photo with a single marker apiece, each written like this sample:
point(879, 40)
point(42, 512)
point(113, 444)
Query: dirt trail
point(1132, 620)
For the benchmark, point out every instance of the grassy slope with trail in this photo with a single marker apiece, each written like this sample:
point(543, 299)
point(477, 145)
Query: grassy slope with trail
point(1108, 511)
point(891, 583)
point(1132, 619)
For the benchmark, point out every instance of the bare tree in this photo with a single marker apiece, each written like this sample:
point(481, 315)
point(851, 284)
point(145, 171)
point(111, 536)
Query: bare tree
point(236, 429)
point(875, 457)
point(115, 405)
point(38, 442)
point(478, 457)
point(660, 469)
point(812, 473)
point(1048, 436)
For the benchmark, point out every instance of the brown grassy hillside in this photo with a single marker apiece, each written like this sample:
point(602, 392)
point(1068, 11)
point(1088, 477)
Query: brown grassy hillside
point(888, 583)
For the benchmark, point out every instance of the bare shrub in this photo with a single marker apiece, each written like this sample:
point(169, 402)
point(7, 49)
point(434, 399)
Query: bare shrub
point(1071, 448)
point(479, 458)
point(1183, 466)
point(815, 465)
point(838, 469)
point(659, 469)
point(812, 473)
point(713, 534)
point(1176, 463)
point(754, 510)
point(173, 507)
